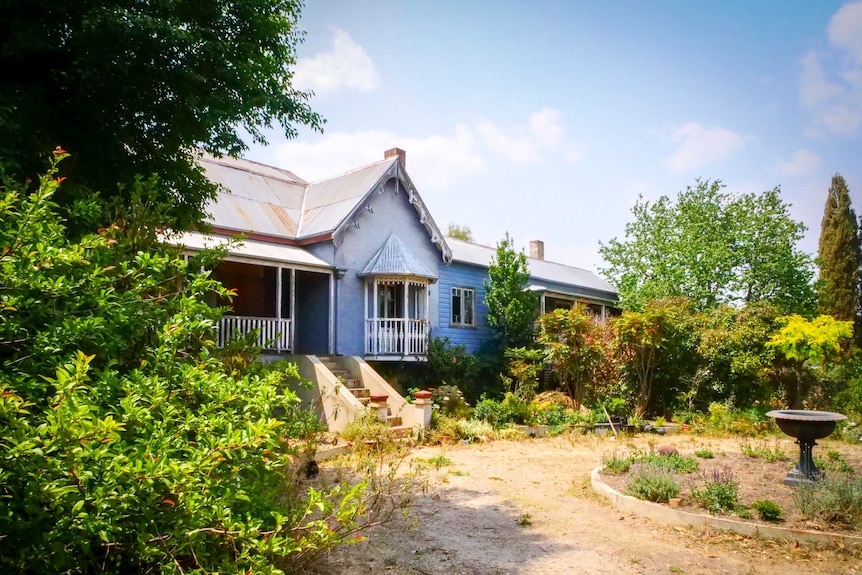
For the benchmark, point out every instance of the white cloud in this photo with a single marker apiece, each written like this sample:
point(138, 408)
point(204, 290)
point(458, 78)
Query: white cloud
point(546, 127)
point(346, 66)
point(845, 30)
point(814, 88)
point(802, 163)
point(520, 150)
point(700, 146)
point(832, 92)
point(433, 162)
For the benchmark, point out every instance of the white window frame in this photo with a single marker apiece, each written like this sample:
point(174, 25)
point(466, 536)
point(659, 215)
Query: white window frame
point(463, 293)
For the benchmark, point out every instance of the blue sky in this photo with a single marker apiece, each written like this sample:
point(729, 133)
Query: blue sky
point(548, 119)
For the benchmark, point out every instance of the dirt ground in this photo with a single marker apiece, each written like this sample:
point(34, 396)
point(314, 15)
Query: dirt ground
point(527, 508)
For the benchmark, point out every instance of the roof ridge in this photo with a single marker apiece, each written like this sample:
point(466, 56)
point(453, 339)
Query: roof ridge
point(290, 177)
point(353, 171)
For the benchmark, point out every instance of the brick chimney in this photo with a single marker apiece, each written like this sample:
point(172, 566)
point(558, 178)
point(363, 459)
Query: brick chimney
point(537, 249)
point(396, 152)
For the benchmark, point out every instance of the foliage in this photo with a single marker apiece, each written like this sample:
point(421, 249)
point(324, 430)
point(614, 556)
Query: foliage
point(459, 232)
point(817, 341)
point(366, 427)
point(448, 364)
point(736, 359)
point(511, 308)
point(835, 500)
point(764, 452)
point(524, 366)
point(572, 347)
point(719, 493)
point(640, 337)
point(724, 418)
point(450, 401)
point(833, 461)
point(704, 453)
point(713, 248)
point(138, 88)
point(671, 461)
point(767, 510)
point(652, 483)
point(617, 464)
point(838, 255)
point(128, 446)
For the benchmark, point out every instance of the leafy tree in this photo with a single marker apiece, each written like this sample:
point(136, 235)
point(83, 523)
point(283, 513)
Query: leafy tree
point(573, 346)
point(511, 308)
point(838, 255)
point(459, 232)
point(127, 446)
point(713, 248)
point(640, 337)
point(133, 87)
point(817, 341)
point(736, 357)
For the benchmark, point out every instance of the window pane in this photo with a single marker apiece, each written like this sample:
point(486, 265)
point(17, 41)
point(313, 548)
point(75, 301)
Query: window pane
point(456, 305)
point(468, 306)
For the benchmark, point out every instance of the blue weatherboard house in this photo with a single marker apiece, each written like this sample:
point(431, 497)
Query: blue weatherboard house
point(351, 269)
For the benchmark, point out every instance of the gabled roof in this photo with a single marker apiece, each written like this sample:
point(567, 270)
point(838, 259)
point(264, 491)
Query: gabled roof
point(394, 259)
point(275, 203)
point(479, 255)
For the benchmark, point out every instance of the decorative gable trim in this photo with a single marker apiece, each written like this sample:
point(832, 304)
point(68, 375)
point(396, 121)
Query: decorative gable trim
point(395, 171)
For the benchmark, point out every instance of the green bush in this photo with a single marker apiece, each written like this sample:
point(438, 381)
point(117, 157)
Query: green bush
point(719, 493)
point(764, 452)
point(672, 461)
point(652, 483)
point(128, 447)
point(704, 453)
point(616, 464)
point(835, 500)
point(494, 412)
point(767, 510)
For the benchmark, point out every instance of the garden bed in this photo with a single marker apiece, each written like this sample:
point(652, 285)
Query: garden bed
point(759, 475)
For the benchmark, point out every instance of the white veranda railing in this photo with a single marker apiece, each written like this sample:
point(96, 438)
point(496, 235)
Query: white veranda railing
point(396, 337)
point(274, 334)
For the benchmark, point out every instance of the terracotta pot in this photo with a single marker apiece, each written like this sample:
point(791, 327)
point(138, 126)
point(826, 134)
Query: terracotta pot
point(379, 398)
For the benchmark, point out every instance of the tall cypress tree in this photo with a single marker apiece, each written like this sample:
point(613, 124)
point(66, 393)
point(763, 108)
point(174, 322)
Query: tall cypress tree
point(839, 255)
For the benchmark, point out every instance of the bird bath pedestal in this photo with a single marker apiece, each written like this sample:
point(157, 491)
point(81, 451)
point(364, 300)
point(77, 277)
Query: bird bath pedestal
point(806, 427)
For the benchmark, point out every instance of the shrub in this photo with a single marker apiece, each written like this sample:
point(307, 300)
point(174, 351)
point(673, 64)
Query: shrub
point(366, 427)
point(762, 451)
point(833, 461)
point(652, 483)
point(450, 401)
point(672, 461)
point(493, 412)
point(720, 491)
point(475, 430)
point(704, 453)
point(127, 445)
point(835, 500)
point(616, 464)
point(767, 510)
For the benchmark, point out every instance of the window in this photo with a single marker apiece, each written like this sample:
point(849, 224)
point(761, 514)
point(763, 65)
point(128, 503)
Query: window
point(463, 304)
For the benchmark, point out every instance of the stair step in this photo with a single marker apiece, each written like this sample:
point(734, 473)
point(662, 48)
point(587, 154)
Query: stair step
point(364, 400)
point(360, 392)
point(350, 383)
point(340, 373)
point(393, 420)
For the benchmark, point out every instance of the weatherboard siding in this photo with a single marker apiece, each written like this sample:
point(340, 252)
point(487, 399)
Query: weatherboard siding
point(464, 276)
point(390, 213)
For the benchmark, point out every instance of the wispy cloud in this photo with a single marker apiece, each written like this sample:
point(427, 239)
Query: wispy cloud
point(346, 66)
point(833, 91)
point(433, 162)
point(700, 146)
point(802, 163)
point(521, 144)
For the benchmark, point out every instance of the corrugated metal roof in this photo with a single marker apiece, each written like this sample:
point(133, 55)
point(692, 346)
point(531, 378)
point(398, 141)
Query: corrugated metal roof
point(476, 254)
point(252, 249)
point(394, 259)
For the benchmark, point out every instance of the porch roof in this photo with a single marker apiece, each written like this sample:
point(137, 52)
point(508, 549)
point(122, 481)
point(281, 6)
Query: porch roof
point(394, 259)
point(252, 249)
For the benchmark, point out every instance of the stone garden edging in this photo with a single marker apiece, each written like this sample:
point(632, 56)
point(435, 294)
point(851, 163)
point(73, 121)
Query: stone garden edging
point(676, 517)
